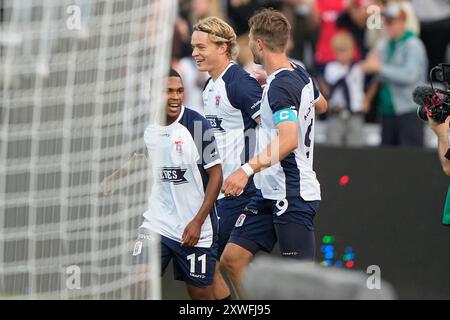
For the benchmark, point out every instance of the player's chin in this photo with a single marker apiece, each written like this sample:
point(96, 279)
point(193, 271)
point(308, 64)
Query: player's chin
point(202, 66)
point(173, 110)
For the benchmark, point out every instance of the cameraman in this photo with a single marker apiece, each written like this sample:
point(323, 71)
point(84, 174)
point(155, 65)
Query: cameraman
point(441, 130)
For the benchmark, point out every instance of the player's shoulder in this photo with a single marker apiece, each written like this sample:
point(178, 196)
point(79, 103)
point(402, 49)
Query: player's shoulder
point(190, 117)
point(235, 71)
point(297, 78)
point(239, 82)
point(301, 72)
point(285, 81)
point(238, 76)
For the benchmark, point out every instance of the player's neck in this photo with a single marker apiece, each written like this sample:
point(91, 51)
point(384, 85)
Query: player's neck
point(170, 120)
point(276, 61)
point(215, 74)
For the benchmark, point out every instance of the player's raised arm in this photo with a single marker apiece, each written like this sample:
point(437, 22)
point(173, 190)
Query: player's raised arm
point(276, 151)
point(107, 185)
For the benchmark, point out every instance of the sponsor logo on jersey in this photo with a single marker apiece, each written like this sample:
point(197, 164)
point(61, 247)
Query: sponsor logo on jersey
point(215, 122)
point(142, 236)
point(240, 220)
point(198, 276)
point(288, 254)
point(173, 175)
point(254, 211)
point(255, 105)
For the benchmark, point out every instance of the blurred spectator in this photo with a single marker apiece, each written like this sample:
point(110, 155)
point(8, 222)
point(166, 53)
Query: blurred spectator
point(325, 15)
point(374, 36)
point(375, 33)
point(304, 31)
point(412, 21)
point(354, 19)
point(240, 11)
point(344, 88)
point(193, 81)
point(401, 65)
point(200, 9)
point(191, 12)
point(434, 17)
point(245, 59)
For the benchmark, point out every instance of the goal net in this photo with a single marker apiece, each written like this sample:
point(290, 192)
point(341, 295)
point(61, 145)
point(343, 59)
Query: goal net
point(80, 80)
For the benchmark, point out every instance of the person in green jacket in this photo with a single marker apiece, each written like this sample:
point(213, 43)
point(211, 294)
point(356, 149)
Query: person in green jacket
point(400, 64)
point(441, 131)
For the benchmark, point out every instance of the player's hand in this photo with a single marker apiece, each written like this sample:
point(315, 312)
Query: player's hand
point(439, 128)
point(234, 185)
point(191, 234)
point(260, 75)
point(107, 185)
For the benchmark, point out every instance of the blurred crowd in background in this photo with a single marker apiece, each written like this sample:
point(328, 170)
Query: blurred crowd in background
point(367, 56)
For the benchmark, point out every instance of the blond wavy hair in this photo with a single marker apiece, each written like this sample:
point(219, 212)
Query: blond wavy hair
point(219, 32)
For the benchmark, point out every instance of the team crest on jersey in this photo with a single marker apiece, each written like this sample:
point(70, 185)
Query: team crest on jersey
point(218, 101)
point(240, 220)
point(137, 248)
point(179, 146)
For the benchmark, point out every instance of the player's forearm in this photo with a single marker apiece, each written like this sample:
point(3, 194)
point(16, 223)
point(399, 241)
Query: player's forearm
point(321, 106)
point(276, 151)
point(128, 166)
point(443, 146)
point(212, 192)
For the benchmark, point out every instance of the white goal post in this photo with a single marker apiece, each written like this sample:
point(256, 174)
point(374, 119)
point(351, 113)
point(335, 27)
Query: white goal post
point(80, 80)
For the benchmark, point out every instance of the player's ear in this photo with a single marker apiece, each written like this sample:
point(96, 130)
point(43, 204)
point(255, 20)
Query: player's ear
point(260, 43)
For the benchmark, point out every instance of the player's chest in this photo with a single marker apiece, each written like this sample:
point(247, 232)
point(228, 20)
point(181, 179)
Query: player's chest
point(216, 101)
point(172, 146)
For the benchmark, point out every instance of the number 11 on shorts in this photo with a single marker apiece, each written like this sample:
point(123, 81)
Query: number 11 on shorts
point(202, 259)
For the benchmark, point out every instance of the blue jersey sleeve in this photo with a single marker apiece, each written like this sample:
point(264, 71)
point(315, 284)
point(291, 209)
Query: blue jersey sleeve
point(305, 75)
point(281, 96)
point(316, 91)
point(245, 95)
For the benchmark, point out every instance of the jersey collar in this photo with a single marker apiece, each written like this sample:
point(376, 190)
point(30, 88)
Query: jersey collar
point(224, 71)
point(274, 74)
